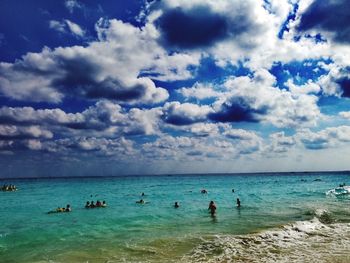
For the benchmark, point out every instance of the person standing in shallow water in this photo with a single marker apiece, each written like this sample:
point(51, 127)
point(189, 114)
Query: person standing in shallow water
point(238, 202)
point(212, 208)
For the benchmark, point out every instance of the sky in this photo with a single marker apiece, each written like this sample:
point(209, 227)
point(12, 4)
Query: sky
point(113, 87)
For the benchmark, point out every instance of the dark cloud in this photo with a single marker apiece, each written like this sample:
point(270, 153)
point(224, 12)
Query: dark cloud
point(344, 84)
point(200, 27)
point(237, 110)
point(328, 15)
point(178, 120)
point(79, 79)
point(192, 28)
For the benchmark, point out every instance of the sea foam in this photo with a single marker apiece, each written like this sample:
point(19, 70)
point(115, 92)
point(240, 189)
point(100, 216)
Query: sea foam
point(303, 241)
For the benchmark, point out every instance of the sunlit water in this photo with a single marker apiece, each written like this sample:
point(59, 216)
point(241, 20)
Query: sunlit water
point(283, 218)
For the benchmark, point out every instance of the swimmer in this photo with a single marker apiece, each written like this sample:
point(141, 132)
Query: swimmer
point(68, 209)
point(203, 191)
point(98, 203)
point(212, 208)
point(92, 205)
point(104, 204)
point(233, 190)
point(87, 204)
point(140, 202)
point(142, 194)
point(238, 202)
point(60, 209)
point(176, 205)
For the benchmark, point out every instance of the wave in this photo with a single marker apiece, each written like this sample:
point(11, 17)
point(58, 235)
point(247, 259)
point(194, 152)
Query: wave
point(302, 241)
point(339, 191)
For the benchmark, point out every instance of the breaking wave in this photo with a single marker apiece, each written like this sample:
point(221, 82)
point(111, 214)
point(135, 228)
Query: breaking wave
point(302, 241)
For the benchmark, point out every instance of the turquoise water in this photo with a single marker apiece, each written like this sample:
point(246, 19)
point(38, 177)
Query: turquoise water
point(156, 232)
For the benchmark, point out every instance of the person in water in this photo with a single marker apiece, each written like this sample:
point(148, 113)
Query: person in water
point(212, 208)
point(98, 203)
point(87, 204)
point(203, 191)
point(104, 204)
point(238, 202)
point(60, 209)
point(68, 209)
point(176, 205)
point(92, 205)
point(141, 201)
point(233, 190)
point(142, 194)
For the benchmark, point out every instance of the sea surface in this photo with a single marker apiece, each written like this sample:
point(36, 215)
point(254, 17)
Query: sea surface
point(284, 217)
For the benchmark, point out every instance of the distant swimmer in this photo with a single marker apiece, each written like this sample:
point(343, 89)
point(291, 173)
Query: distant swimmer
point(142, 194)
point(176, 205)
point(92, 204)
point(141, 201)
point(9, 188)
point(212, 208)
point(104, 204)
point(238, 202)
point(68, 209)
point(203, 191)
point(98, 203)
point(233, 190)
point(87, 205)
point(61, 209)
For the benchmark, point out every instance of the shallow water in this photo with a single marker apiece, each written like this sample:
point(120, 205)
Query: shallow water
point(156, 232)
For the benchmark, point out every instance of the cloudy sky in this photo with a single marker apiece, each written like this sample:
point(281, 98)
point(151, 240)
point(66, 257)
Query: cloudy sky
point(111, 87)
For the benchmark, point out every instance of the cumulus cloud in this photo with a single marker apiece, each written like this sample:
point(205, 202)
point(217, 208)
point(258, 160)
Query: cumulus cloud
point(104, 116)
point(198, 91)
point(19, 132)
point(201, 24)
point(328, 16)
point(280, 143)
point(183, 114)
point(257, 99)
point(327, 138)
point(109, 68)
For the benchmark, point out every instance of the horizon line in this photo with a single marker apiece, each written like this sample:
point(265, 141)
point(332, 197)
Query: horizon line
point(172, 174)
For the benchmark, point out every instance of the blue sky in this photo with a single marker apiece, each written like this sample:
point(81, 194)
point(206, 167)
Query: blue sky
point(173, 86)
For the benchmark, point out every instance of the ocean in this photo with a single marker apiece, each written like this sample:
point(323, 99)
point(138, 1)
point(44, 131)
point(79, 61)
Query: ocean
point(284, 217)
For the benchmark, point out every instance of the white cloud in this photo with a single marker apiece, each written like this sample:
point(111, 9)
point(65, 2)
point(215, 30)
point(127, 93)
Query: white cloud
point(260, 100)
point(57, 25)
point(185, 113)
point(75, 28)
point(68, 27)
point(33, 131)
point(199, 91)
point(328, 138)
point(71, 5)
point(345, 114)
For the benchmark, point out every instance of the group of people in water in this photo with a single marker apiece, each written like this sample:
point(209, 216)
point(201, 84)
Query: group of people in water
point(88, 204)
point(61, 209)
point(211, 208)
point(93, 205)
point(8, 188)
